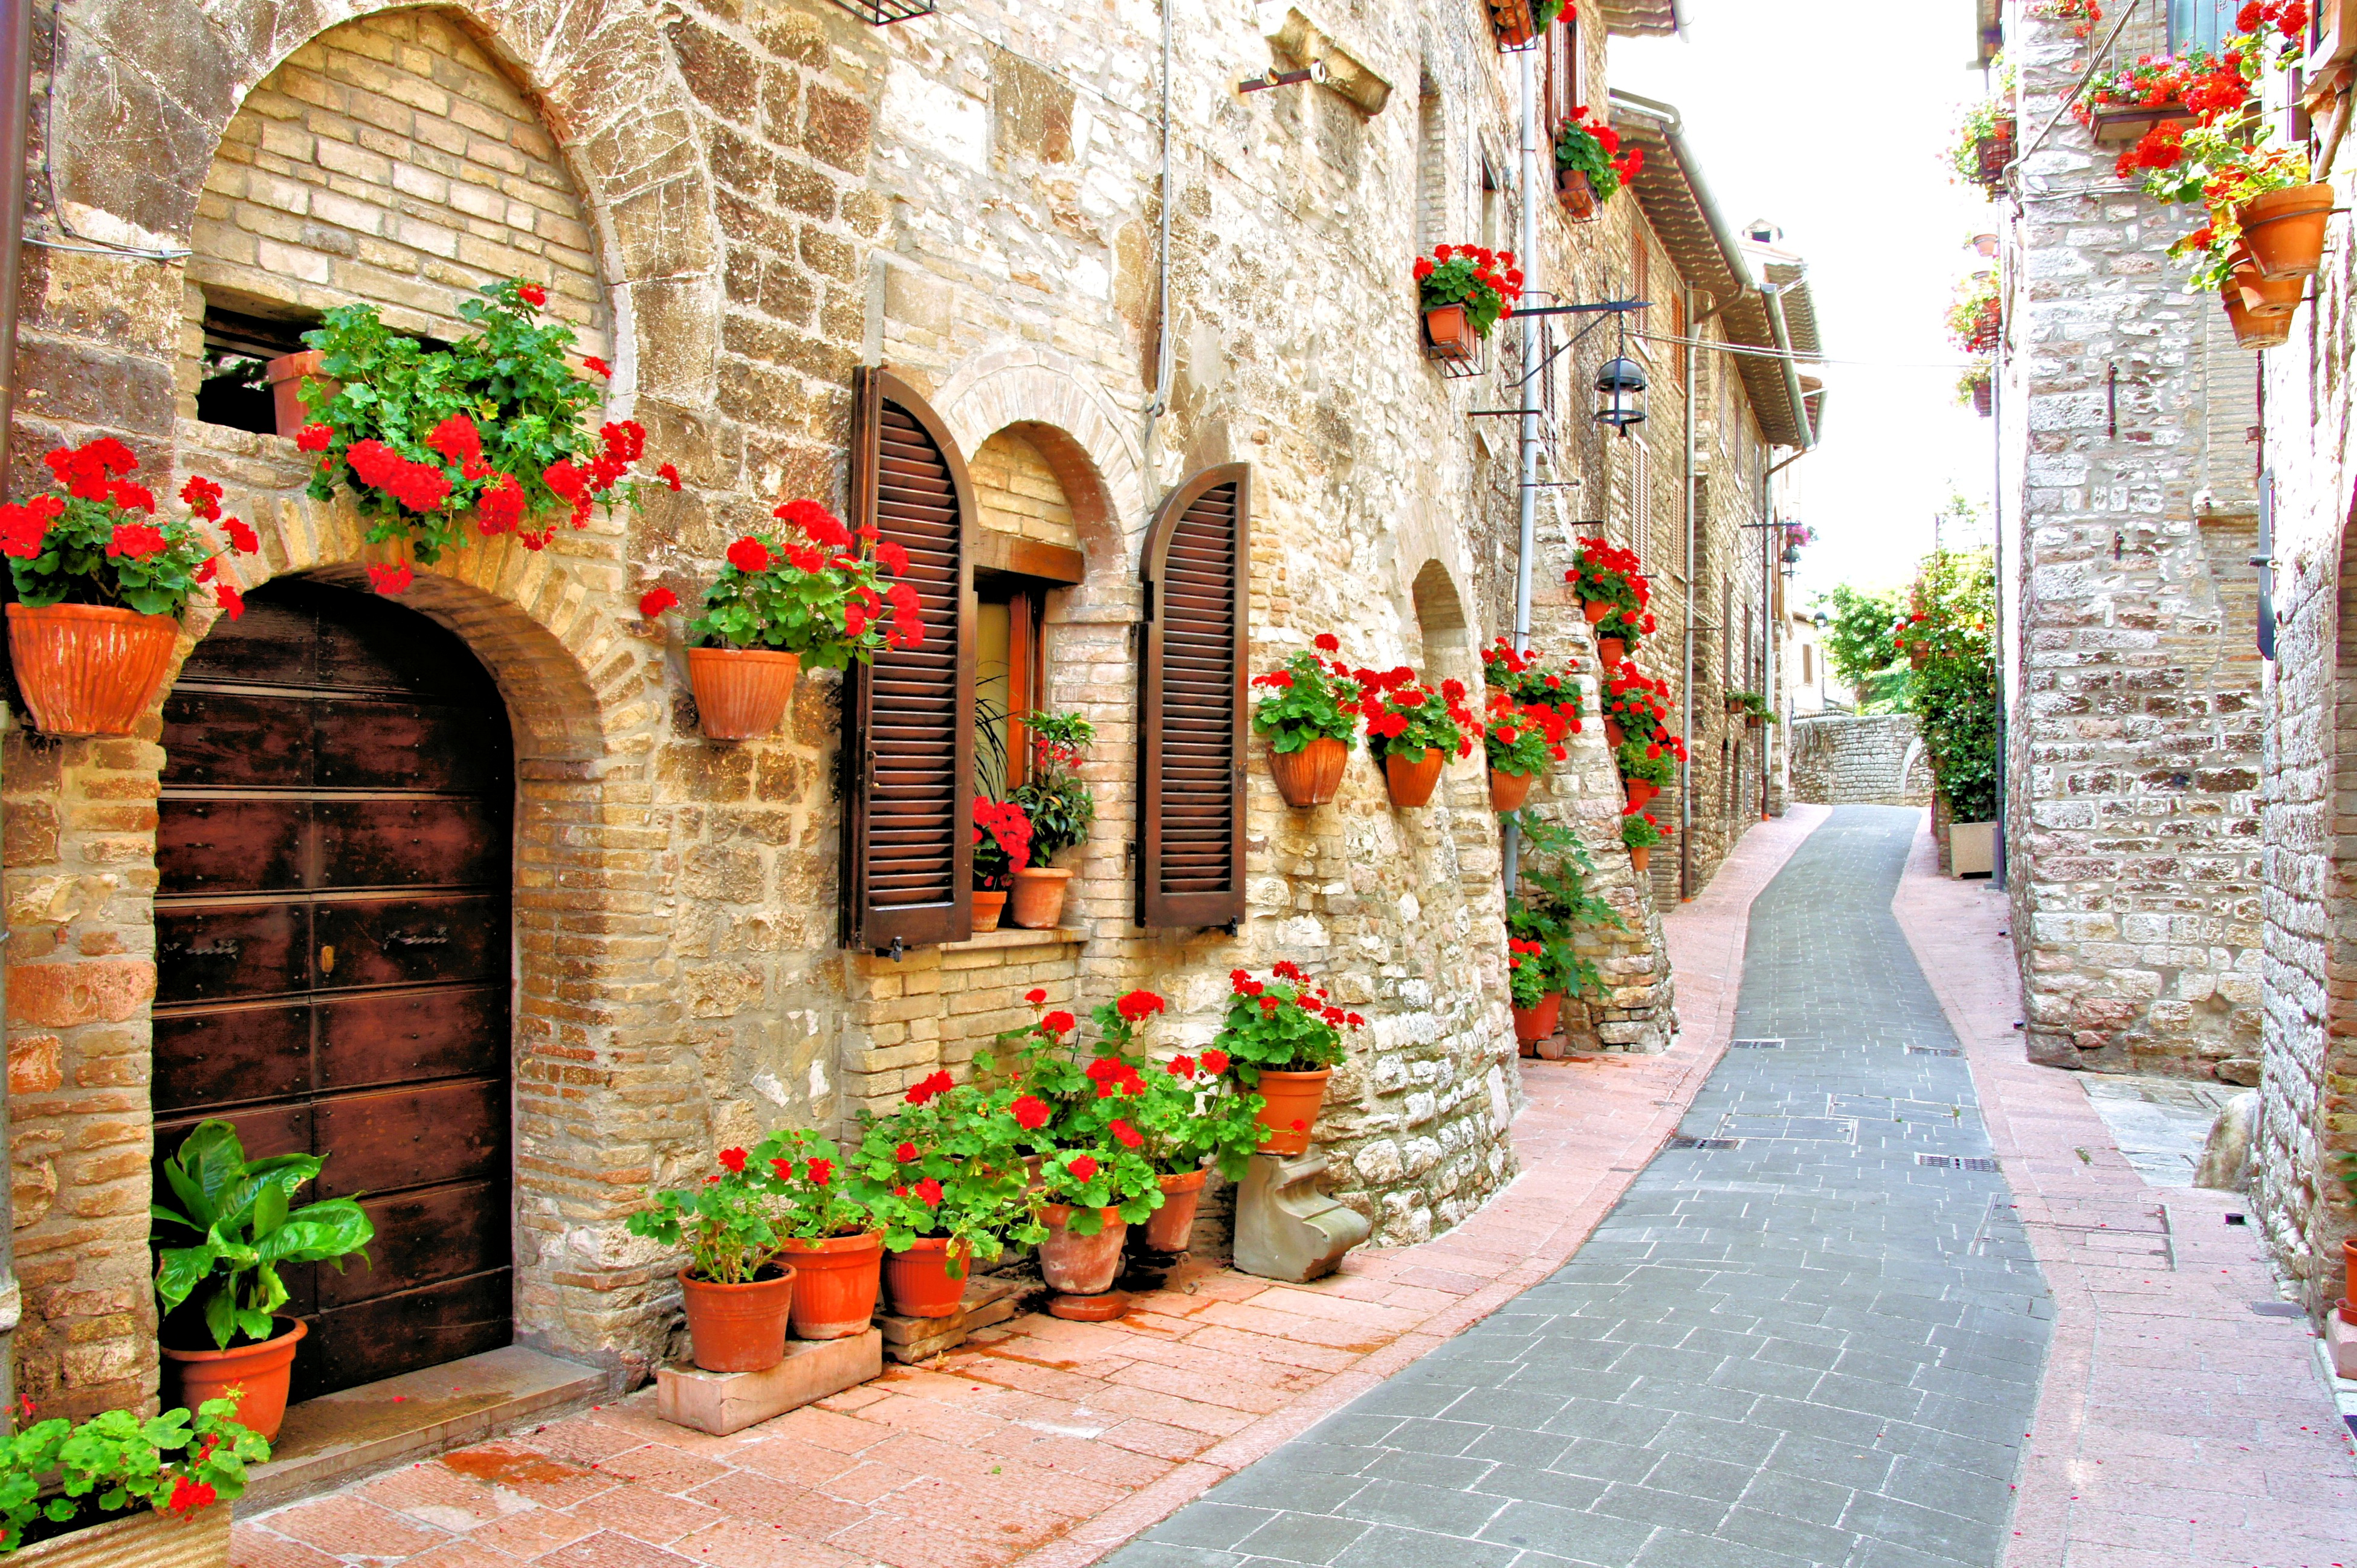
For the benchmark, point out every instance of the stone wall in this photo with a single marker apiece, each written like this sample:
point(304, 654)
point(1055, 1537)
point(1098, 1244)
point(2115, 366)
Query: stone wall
point(2134, 853)
point(1860, 759)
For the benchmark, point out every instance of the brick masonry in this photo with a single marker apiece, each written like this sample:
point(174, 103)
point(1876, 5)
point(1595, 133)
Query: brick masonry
point(1860, 759)
point(739, 206)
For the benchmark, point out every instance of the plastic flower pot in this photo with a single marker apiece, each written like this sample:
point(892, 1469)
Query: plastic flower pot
point(1037, 900)
point(1290, 1102)
point(1309, 777)
point(1572, 188)
point(90, 668)
point(1532, 1024)
point(148, 1539)
point(1508, 790)
point(918, 1283)
point(740, 691)
point(2285, 229)
point(260, 1372)
point(1447, 334)
point(1611, 650)
point(1595, 610)
point(2250, 332)
point(1641, 856)
point(989, 903)
point(1170, 1228)
point(1613, 734)
point(836, 1280)
point(1410, 779)
point(287, 375)
point(740, 1328)
point(1080, 1265)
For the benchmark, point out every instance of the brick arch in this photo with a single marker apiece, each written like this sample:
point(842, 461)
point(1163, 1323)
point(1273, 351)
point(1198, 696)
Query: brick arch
point(1065, 413)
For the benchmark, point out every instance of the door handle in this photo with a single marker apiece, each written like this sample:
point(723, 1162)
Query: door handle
point(327, 960)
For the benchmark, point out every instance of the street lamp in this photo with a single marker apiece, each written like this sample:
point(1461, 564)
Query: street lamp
point(1621, 394)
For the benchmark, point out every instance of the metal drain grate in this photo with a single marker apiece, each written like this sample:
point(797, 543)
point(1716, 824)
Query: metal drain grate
point(1755, 1044)
point(1955, 1162)
point(1682, 1142)
point(1933, 1051)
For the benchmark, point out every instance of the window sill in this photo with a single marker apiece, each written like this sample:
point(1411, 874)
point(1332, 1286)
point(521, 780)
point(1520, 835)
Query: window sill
point(1018, 937)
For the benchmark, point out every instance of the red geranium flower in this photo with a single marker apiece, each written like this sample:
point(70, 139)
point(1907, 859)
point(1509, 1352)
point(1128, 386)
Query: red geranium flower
point(1215, 1061)
point(532, 294)
point(749, 554)
point(1083, 1167)
point(656, 601)
point(929, 1191)
point(905, 1153)
point(732, 1161)
point(1031, 1113)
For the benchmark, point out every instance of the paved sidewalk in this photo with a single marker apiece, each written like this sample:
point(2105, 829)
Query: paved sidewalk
point(1812, 1346)
point(2177, 1428)
point(1054, 1442)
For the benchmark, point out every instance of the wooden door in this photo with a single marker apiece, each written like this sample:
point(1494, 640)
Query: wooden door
point(332, 954)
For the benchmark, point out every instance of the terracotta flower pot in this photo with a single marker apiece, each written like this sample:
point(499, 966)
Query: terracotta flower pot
point(1170, 1228)
point(1411, 782)
point(287, 375)
point(1038, 898)
point(1515, 24)
point(1610, 651)
point(1572, 188)
point(737, 1329)
point(1081, 1265)
point(1448, 334)
point(1613, 734)
point(2265, 298)
point(1641, 856)
point(1289, 1109)
point(1595, 610)
point(260, 1370)
point(989, 903)
point(1309, 777)
point(2285, 229)
point(1755, 721)
point(917, 1282)
point(834, 1283)
point(1532, 1024)
point(740, 691)
point(88, 669)
point(1983, 398)
point(1918, 657)
point(1508, 790)
point(2250, 331)
point(148, 1538)
point(1640, 790)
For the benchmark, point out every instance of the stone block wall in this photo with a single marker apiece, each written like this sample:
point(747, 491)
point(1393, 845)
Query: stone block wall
point(1860, 759)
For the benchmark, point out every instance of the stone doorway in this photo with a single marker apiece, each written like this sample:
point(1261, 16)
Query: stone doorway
point(334, 956)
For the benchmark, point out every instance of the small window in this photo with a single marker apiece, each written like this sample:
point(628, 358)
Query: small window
point(234, 391)
point(2199, 24)
point(1008, 669)
point(1493, 207)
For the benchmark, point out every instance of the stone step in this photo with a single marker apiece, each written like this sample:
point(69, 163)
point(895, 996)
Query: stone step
point(988, 1299)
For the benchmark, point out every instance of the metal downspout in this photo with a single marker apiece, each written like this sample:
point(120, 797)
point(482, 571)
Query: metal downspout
point(15, 113)
point(1685, 687)
point(1528, 468)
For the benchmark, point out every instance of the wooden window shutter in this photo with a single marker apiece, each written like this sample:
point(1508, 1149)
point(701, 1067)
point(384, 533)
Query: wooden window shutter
point(908, 739)
point(1197, 571)
point(1562, 73)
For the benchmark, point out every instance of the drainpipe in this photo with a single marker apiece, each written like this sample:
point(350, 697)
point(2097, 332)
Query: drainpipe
point(1772, 296)
point(1527, 545)
point(15, 112)
point(1694, 578)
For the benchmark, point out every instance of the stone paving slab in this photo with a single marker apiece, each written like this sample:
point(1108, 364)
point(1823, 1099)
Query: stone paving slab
point(1810, 1347)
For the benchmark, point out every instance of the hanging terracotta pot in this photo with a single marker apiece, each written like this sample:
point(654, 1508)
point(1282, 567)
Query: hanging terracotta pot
point(1508, 790)
point(834, 1283)
point(989, 903)
point(1918, 657)
point(918, 1282)
point(258, 1372)
point(1170, 1228)
point(1037, 900)
point(738, 1328)
point(2266, 298)
point(1613, 734)
point(1447, 335)
point(740, 691)
point(1755, 721)
point(1081, 1265)
point(1641, 856)
point(1640, 790)
point(1411, 781)
point(1290, 1102)
point(2250, 331)
point(287, 375)
point(1532, 1024)
point(1984, 398)
point(1309, 777)
point(1515, 24)
point(2285, 229)
point(88, 669)
point(1610, 651)
point(1596, 609)
point(1572, 188)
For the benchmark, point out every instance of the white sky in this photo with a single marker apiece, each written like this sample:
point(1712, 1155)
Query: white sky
point(1864, 196)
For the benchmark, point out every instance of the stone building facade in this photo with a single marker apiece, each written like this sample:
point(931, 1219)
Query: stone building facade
point(2130, 501)
point(1858, 759)
point(739, 205)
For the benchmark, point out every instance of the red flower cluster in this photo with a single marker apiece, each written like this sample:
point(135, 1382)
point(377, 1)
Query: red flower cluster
point(733, 1161)
point(1029, 1112)
point(420, 486)
point(925, 1089)
point(1214, 1061)
point(1609, 571)
point(1394, 699)
point(189, 1496)
point(92, 472)
point(136, 540)
point(1009, 824)
point(655, 601)
point(1114, 1076)
point(1083, 1167)
point(391, 580)
point(24, 527)
point(1139, 1005)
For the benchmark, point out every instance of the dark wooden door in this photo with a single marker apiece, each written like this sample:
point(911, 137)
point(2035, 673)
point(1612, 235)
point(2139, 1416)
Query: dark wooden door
point(332, 953)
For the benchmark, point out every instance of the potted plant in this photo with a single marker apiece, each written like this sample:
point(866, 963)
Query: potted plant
point(1519, 21)
point(1523, 677)
point(1635, 705)
point(1537, 1001)
point(812, 599)
point(1186, 1113)
point(1520, 741)
point(1647, 766)
point(100, 586)
point(1551, 904)
point(1464, 290)
point(123, 1488)
point(836, 1250)
point(1640, 832)
point(1056, 803)
point(491, 431)
point(1978, 387)
point(1284, 1037)
point(945, 1177)
point(2083, 15)
point(1589, 164)
point(1976, 319)
point(1619, 632)
point(1308, 716)
point(1985, 142)
point(1002, 846)
point(737, 1295)
point(1607, 577)
point(247, 1228)
point(1752, 706)
point(1411, 729)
